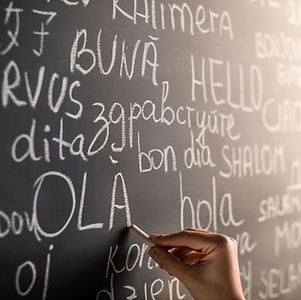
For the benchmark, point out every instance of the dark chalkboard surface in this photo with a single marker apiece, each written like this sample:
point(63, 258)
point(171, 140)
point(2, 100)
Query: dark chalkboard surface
point(167, 114)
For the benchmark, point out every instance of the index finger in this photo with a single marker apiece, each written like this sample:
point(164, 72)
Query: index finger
point(197, 240)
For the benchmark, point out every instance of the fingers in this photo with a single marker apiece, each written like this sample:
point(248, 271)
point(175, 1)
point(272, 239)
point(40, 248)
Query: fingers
point(194, 239)
point(170, 263)
point(180, 252)
point(187, 255)
point(193, 257)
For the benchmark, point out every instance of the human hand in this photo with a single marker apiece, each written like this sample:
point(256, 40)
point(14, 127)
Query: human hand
point(206, 263)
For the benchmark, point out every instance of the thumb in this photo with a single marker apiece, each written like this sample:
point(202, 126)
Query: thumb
point(169, 263)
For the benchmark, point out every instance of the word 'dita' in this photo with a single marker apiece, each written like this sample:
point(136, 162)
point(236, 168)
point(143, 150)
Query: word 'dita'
point(18, 222)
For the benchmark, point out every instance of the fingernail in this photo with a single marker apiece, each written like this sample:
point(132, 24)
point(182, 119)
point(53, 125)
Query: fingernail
point(153, 252)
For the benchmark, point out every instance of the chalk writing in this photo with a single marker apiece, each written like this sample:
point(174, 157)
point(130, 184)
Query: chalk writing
point(173, 16)
point(11, 13)
point(168, 114)
point(147, 59)
point(277, 282)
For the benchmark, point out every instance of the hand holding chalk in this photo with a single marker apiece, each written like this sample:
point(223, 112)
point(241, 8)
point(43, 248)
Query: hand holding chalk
point(140, 234)
point(212, 273)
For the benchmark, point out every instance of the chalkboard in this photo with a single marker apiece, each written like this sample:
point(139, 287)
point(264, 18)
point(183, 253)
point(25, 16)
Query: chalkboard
point(166, 114)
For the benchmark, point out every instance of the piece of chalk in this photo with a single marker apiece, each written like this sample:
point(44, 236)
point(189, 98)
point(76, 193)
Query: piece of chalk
point(140, 234)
